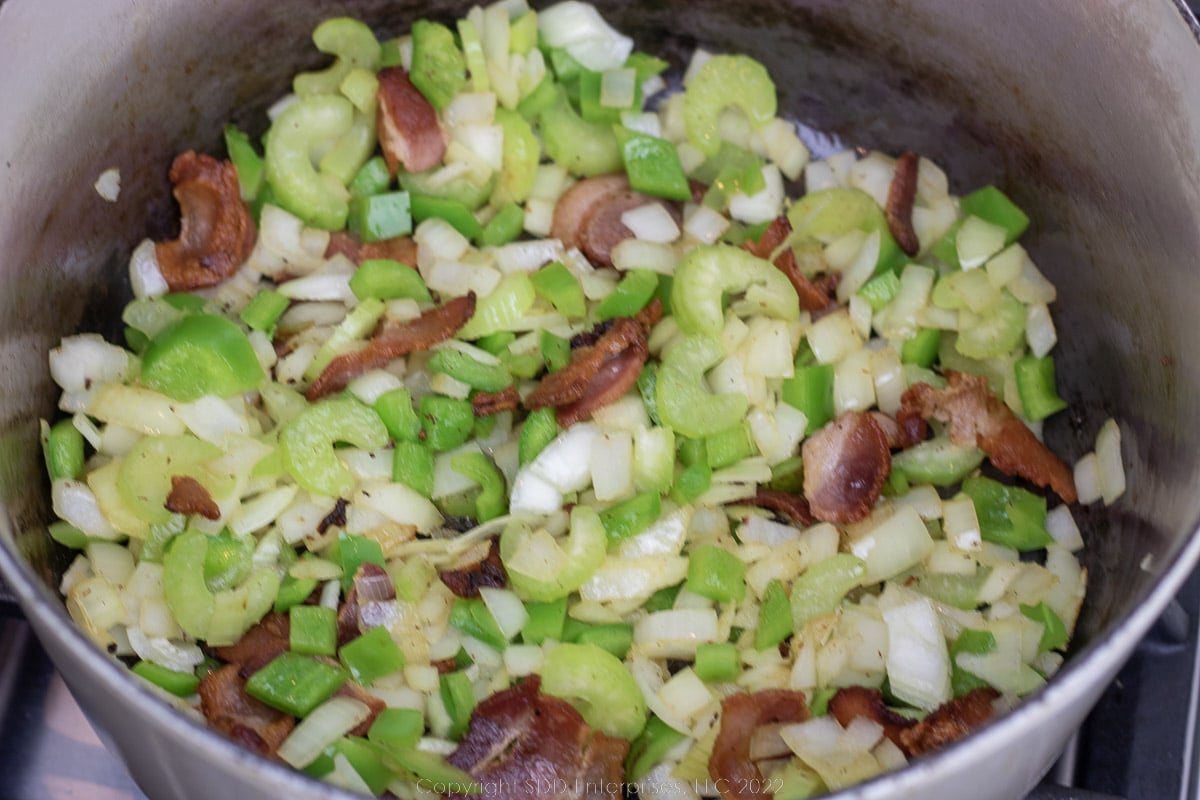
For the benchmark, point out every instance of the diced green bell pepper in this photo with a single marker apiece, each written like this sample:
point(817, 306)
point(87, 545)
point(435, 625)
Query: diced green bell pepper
point(264, 310)
point(1054, 631)
point(1035, 386)
point(992, 205)
point(372, 178)
point(180, 684)
point(64, 450)
point(295, 684)
point(447, 422)
point(198, 355)
point(922, 348)
point(716, 573)
point(247, 162)
point(774, 617)
point(476, 374)
point(397, 727)
point(439, 69)
point(718, 662)
point(381, 216)
point(312, 630)
point(386, 279)
point(1008, 515)
point(635, 290)
point(545, 621)
point(729, 446)
point(631, 517)
point(655, 741)
point(555, 284)
point(539, 430)
point(810, 390)
point(412, 465)
point(372, 655)
point(396, 410)
point(504, 227)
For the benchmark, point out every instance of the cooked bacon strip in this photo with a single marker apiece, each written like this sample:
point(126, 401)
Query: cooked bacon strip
point(977, 418)
point(394, 339)
point(467, 581)
point(188, 496)
point(949, 722)
point(610, 382)
point(258, 646)
point(407, 124)
point(859, 701)
point(355, 691)
point(792, 506)
point(521, 744)
point(216, 231)
point(228, 709)
point(900, 433)
point(813, 297)
point(485, 404)
point(400, 248)
point(901, 195)
point(845, 466)
point(736, 776)
point(577, 204)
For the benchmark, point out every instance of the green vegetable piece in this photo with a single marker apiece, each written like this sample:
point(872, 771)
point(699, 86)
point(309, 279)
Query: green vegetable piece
point(708, 272)
point(555, 284)
point(539, 430)
point(67, 535)
point(788, 476)
point(693, 451)
point(556, 351)
point(386, 279)
point(519, 159)
point(473, 618)
point(545, 621)
point(718, 662)
point(354, 551)
point(459, 699)
point(185, 301)
point(655, 741)
point(372, 178)
point(726, 80)
point(439, 70)
point(663, 599)
point(503, 228)
point(353, 44)
point(433, 769)
point(820, 589)
point(1008, 515)
point(476, 374)
point(631, 517)
point(992, 205)
point(412, 579)
point(462, 189)
point(312, 630)
point(367, 762)
point(937, 461)
point(307, 443)
point(716, 573)
point(246, 161)
point(731, 170)
point(381, 216)
point(496, 343)
point(492, 500)
point(544, 95)
point(308, 125)
point(645, 65)
point(729, 446)
point(293, 592)
point(684, 401)
point(615, 638)
point(447, 422)
point(774, 617)
point(1035, 385)
point(372, 655)
point(996, 332)
point(63, 450)
point(796, 781)
point(472, 47)
point(180, 684)
point(350, 151)
point(583, 148)
point(922, 348)
point(160, 535)
point(1054, 631)
point(969, 641)
point(523, 34)
point(198, 355)
point(412, 465)
point(295, 684)
point(144, 477)
point(264, 310)
point(635, 290)
point(586, 546)
point(647, 384)
point(597, 684)
point(591, 106)
point(452, 211)
point(826, 214)
point(880, 290)
point(228, 561)
point(355, 327)
point(396, 410)
point(501, 307)
point(397, 727)
point(693, 482)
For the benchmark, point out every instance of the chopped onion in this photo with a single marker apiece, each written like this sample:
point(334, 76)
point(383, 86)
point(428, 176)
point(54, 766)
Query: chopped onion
point(327, 723)
point(651, 223)
point(580, 30)
point(633, 580)
point(144, 274)
point(833, 337)
point(898, 542)
point(642, 122)
point(1061, 525)
point(507, 609)
point(618, 87)
point(470, 109)
point(1110, 471)
point(762, 206)
point(74, 502)
point(853, 383)
point(527, 256)
point(685, 694)
point(918, 663)
point(1039, 330)
point(1087, 479)
point(400, 504)
point(704, 224)
point(873, 175)
point(178, 656)
point(675, 633)
point(371, 385)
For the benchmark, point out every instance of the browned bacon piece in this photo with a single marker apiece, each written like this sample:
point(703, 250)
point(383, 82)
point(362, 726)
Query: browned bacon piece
point(792, 506)
point(407, 124)
point(813, 297)
point(845, 466)
point(577, 203)
point(900, 433)
point(400, 248)
point(355, 691)
point(526, 745)
point(901, 194)
point(977, 418)
point(599, 373)
point(588, 215)
point(485, 404)
point(736, 776)
point(394, 339)
point(259, 645)
point(949, 722)
point(468, 580)
point(859, 701)
point(228, 709)
point(188, 496)
point(216, 232)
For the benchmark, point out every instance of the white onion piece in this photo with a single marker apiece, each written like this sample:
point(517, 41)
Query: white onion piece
point(1039, 330)
point(371, 385)
point(145, 276)
point(1109, 468)
point(675, 633)
point(652, 223)
point(469, 108)
point(617, 87)
point(580, 30)
point(326, 724)
point(918, 663)
point(1061, 525)
point(74, 502)
point(178, 656)
point(400, 504)
point(507, 609)
point(762, 206)
point(1087, 479)
point(85, 360)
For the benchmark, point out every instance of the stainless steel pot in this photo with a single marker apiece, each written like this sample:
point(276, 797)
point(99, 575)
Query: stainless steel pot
point(1088, 113)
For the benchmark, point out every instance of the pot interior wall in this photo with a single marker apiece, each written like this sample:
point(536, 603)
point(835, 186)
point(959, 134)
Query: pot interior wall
point(1054, 111)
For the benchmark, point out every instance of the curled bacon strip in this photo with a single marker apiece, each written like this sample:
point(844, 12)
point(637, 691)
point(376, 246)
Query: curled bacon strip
point(258, 646)
point(845, 466)
point(792, 506)
point(859, 701)
point(228, 709)
point(392, 340)
point(599, 373)
point(216, 232)
point(485, 404)
point(901, 433)
point(188, 496)
point(948, 722)
point(400, 248)
point(407, 124)
point(467, 581)
point(901, 195)
point(977, 418)
point(521, 744)
point(738, 777)
point(813, 297)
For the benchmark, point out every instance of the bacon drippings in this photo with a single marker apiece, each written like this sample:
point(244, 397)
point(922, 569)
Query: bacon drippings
point(394, 339)
point(400, 248)
point(947, 723)
point(813, 297)
point(901, 194)
point(977, 418)
point(845, 466)
point(258, 646)
point(467, 581)
point(521, 744)
point(407, 124)
point(792, 506)
point(216, 232)
point(228, 709)
point(485, 404)
point(188, 496)
point(736, 776)
point(600, 373)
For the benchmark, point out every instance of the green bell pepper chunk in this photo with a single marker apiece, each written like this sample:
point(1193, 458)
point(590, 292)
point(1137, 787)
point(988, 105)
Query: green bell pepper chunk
point(1054, 631)
point(352, 551)
point(519, 159)
point(937, 461)
point(774, 617)
point(663, 599)
point(788, 476)
point(412, 465)
point(539, 430)
point(546, 621)
point(312, 630)
point(556, 351)
point(439, 70)
point(597, 684)
point(492, 500)
point(631, 517)
point(198, 355)
point(583, 148)
point(653, 167)
point(969, 641)
point(729, 446)
point(503, 228)
point(1008, 515)
point(820, 588)
point(459, 699)
point(615, 638)
point(293, 592)
point(432, 769)
point(716, 573)
point(381, 216)
point(726, 80)
point(396, 410)
point(452, 211)
point(1035, 385)
point(880, 290)
point(367, 761)
point(307, 443)
point(718, 662)
point(645, 65)
point(295, 684)
point(397, 727)
point(810, 390)
point(690, 484)
point(476, 374)
point(630, 296)
point(180, 684)
point(585, 550)
point(308, 124)
point(264, 310)
point(371, 656)
point(922, 348)
point(372, 178)
point(555, 284)
point(655, 741)
point(447, 422)
point(63, 450)
point(992, 205)
point(684, 402)
point(386, 279)
point(67, 535)
point(351, 42)
point(647, 384)
point(246, 161)
point(708, 272)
